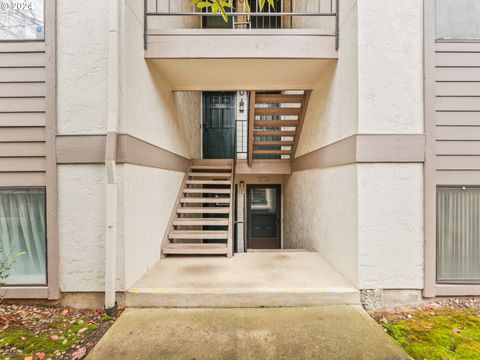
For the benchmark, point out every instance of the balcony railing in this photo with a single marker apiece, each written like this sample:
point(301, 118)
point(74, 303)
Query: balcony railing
point(270, 18)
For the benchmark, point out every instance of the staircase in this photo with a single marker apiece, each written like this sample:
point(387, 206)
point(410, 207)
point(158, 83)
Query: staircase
point(202, 222)
point(276, 121)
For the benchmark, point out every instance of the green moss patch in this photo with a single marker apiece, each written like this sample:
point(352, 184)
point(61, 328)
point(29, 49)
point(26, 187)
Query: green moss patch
point(49, 332)
point(446, 334)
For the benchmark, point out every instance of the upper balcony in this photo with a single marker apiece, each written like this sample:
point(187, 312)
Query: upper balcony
point(283, 47)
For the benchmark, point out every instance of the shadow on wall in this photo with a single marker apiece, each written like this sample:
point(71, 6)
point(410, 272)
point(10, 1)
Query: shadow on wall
point(319, 118)
point(183, 110)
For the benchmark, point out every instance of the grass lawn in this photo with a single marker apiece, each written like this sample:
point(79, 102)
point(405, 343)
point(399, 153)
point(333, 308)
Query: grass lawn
point(435, 332)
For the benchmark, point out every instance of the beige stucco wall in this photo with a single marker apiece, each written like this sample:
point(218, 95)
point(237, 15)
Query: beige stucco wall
point(321, 213)
point(150, 110)
point(390, 196)
point(82, 66)
point(390, 62)
point(150, 196)
point(367, 219)
point(333, 110)
point(145, 201)
point(390, 224)
point(81, 214)
point(321, 205)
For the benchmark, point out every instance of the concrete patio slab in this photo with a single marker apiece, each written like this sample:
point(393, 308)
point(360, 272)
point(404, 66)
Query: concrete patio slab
point(246, 280)
point(327, 332)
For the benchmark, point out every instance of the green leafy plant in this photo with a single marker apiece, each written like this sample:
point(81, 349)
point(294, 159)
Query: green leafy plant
point(222, 6)
point(6, 263)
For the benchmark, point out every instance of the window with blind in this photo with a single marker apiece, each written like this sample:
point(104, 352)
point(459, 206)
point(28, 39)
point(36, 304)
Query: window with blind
point(458, 20)
point(22, 20)
point(458, 235)
point(23, 236)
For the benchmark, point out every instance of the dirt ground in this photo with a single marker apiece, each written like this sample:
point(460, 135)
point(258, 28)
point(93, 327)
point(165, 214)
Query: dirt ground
point(48, 332)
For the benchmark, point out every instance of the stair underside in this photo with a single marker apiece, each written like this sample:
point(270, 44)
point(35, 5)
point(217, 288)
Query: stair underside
point(276, 121)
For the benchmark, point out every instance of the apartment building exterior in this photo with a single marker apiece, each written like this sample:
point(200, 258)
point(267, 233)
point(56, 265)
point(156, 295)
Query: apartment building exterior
point(131, 131)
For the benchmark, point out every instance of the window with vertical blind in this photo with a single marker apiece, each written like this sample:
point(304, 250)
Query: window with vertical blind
point(458, 20)
point(458, 235)
point(23, 235)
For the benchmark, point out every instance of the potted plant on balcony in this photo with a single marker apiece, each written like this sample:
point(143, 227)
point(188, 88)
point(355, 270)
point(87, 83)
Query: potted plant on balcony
point(223, 6)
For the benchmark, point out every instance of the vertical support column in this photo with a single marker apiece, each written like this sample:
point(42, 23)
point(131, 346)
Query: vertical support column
point(251, 126)
point(337, 25)
point(240, 21)
point(430, 201)
point(110, 159)
point(287, 21)
point(51, 160)
point(145, 23)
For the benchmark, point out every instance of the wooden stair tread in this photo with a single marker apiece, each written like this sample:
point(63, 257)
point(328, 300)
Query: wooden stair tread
point(204, 200)
point(211, 167)
point(272, 152)
point(200, 222)
point(260, 133)
point(208, 182)
point(273, 143)
point(206, 191)
point(212, 162)
point(276, 123)
point(280, 98)
point(197, 245)
point(195, 249)
point(201, 210)
point(209, 174)
point(277, 111)
point(198, 234)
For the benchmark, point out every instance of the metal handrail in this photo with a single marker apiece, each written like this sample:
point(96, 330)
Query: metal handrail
point(231, 222)
point(154, 10)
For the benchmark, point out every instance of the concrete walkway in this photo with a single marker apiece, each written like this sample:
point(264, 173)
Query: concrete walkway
point(246, 280)
point(327, 332)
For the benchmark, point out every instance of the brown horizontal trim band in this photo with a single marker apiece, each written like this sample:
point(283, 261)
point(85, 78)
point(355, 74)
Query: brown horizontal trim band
point(81, 149)
point(365, 148)
point(90, 149)
point(264, 167)
point(132, 150)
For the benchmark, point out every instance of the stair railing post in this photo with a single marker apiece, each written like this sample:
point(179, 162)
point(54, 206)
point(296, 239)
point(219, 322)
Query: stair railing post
point(230, 215)
point(251, 126)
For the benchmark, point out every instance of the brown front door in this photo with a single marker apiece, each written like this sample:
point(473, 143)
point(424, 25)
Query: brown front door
point(264, 216)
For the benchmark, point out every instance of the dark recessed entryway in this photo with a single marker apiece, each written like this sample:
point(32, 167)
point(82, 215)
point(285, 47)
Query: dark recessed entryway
point(264, 216)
